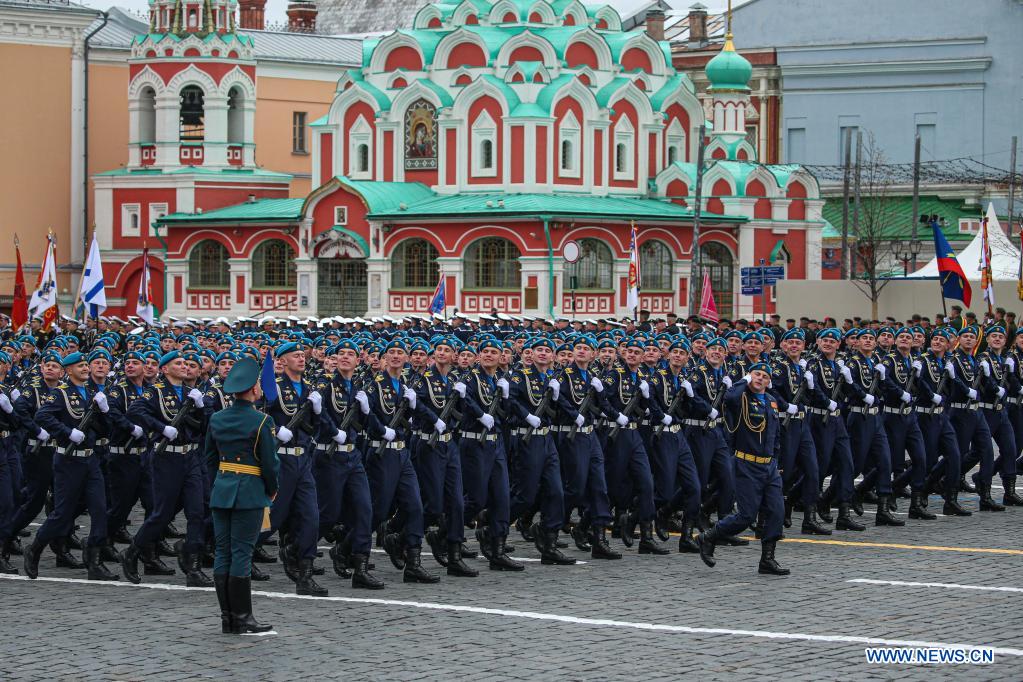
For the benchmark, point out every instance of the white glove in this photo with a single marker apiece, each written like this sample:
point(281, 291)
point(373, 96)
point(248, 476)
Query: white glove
point(580, 420)
point(1001, 392)
point(918, 367)
point(43, 435)
point(136, 431)
point(340, 437)
point(15, 394)
point(5, 403)
point(713, 414)
point(832, 406)
point(688, 388)
point(727, 381)
point(972, 393)
point(410, 396)
point(555, 387)
point(76, 436)
point(1010, 364)
point(666, 420)
point(936, 399)
point(533, 420)
point(317, 401)
point(984, 365)
point(745, 377)
point(597, 385)
point(951, 369)
point(459, 388)
point(389, 434)
point(439, 426)
point(881, 370)
point(171, 433)
point(906, 397)
point(284, 434)
point(363, 401)
point(847, 375)
point(644, 388)
point(100, 399)
point(502, 384)
point(196, 396)
point(792, 409)
point(621, 419)
point(809, 379)
point(802, 363)
point(487, 421)
point(869, 400)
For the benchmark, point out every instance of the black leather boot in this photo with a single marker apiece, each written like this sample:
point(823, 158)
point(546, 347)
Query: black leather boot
point(340, 560)
point(14, 546)
point(917, 510)
point(499, 559)
point(987, 503)
point(686, 543)
point(581, 536)
point(31, 558)
point(260, 555)
point(414, 571)
point(361, 577)
point(152, 564)
point(468, 553)
point(5, 559)
point(845, 520)
point(306, 583)
point(485, 541)
point(171, 531)
point(122, 536)
point(1009, 497)
point(787, 519)
point(438, 546)
point(74, 542)
point(811, 525)
point(550, 555)
point(600, 548)
point(97, 571)
point(627, 523)
point(732, 541)
point(164, 549)
point(952, 506)
point(130, 564)
point(824, 508)
point(65, 559)
point(964, 485)
point(455, 565)
point(525, 528)
point(286, 553)
point(706, 541)
point(768, 565)
point(647, 544)
point(857, 502)
point(884, 516)
point(257, 574)
point(662, 524)
point(239, 596)
point(194, 577)
point(395, 550)
point(220, 583)
point(108, 553)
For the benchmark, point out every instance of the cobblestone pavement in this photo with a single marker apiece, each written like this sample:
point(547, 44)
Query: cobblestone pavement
point(643, 617)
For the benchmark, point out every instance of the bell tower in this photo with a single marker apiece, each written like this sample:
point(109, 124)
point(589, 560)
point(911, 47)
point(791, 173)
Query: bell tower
point(729, 74)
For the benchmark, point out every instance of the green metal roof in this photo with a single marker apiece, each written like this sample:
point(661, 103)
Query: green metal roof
point(199, 170)
point(259, 211)
point(658, 99)
point(545, 204)
point(613, 86)
point(386, 196)
point(901, 218)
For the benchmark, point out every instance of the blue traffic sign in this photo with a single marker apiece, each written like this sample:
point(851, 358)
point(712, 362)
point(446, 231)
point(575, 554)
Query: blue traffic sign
point(752, 291)
point(775, 272)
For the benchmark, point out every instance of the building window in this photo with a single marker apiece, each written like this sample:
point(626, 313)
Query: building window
point(207, 266)
point(655, 266)
point(299, 133)
point(621, 157)
point(273, 265)
point(492, 263)
point(360, 150)
point(717, 260)
point(487, 154)
point(147, 116)
point(594, 269)
point(156, 211)
point(484, 136)
point(928, 133)
point(847, 125)
point(192, 116)
point(676, 136)
point(362, 159)
point(625, 141)
point(414, 265)
point(235, 116)
point(795, 151)
point(130, 220)
point(571, 148)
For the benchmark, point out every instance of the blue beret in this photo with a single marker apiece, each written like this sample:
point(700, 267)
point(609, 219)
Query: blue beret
point(52, 356)
point(635, 342)
point(902, 330)
point(585, 340)
point(167, 357)
point(830, 333)
point(494, 343)
point(867, 332)
point(566, 347)
point(794, 333)
point(227, 355)
point(133, 355)
point(193, 357)
point(971, 329)
point(887, 330)
point(152, 355)
point(606, 343)
point(761, 366)
point(718, 341)
point(101, 354)
point(420, 344)
point(344, 344)
point(680, 343)
point(5, 358)
point(917, 329)
point(733, 333)
point(752, 336)
point(285, 348)
point(542, 341)
point(995, 329)
point(396, 343)
point(945, 332)
point(72, 359)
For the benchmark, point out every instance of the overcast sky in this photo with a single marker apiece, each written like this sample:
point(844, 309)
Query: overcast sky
point(275, 9)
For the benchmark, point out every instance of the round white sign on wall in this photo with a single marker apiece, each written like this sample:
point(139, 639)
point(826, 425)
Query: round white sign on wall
point(571, 251)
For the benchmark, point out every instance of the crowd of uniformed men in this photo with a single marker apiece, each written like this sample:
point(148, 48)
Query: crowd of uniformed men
point(421, 428)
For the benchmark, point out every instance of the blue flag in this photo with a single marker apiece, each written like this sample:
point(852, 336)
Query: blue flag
point(437, 305)
point(267, 378)
point(953, 280)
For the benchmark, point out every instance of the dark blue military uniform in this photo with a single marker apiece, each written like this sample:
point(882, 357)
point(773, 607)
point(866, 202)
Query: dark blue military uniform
point(707, 439)
point(438, 466)
point(128, 476)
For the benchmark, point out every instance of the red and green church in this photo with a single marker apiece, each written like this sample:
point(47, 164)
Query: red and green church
point(472, 148)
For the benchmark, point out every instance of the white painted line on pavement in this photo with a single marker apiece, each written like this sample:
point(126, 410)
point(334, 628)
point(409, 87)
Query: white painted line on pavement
point(561, 618)
point(950, 586)
point(480, 557)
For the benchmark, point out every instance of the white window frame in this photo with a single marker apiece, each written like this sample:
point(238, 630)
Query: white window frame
point(676, 137)
point(484, 129)
point(156, 211)
point(570, 131)
point(624, 134)
point(340, 215)
point(969, 225)
point(360, 134)
point(127, 211)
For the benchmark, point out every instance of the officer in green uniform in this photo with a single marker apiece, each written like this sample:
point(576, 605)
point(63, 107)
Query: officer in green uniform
point(241, 453)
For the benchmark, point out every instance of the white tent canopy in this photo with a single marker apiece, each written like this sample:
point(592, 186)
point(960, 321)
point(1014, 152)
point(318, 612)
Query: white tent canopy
point(1004, 256)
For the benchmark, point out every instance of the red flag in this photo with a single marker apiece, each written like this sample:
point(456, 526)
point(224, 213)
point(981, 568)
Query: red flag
point(708, 309)
point(19, 308)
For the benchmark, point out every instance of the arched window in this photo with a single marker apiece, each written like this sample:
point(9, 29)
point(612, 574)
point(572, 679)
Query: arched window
point(493, 263)
point(672, 155)
point(487, 154)
point(362, 162)
point(567, 158)
point(147, 115)
point(207, 266)
point(414, 265)
point(717, 260)
point(655, 266)
point(235, 116)
point(594, 269)
point(191, 121)
point(621, 158)
point(273, 265)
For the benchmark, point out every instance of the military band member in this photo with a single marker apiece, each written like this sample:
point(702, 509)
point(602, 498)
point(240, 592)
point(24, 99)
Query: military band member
point(994, 363)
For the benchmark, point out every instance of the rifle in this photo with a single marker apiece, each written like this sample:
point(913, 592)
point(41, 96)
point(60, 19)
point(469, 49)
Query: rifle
point(584, 407)
point(345, 423)
point(716, 405)
point(445, 414)
point(795, 401)
point(541, 409)
point(396, 422)
point(630, 407)
point(834, 391)
point(675, 402)
point(942, 382)
point(82, 426)
point(178, 418)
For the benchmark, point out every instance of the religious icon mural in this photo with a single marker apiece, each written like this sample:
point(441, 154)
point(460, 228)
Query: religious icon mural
point(421, 136)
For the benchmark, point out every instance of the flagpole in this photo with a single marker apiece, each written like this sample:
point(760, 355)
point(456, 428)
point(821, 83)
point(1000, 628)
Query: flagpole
point(941, 283)
point(81, 283)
